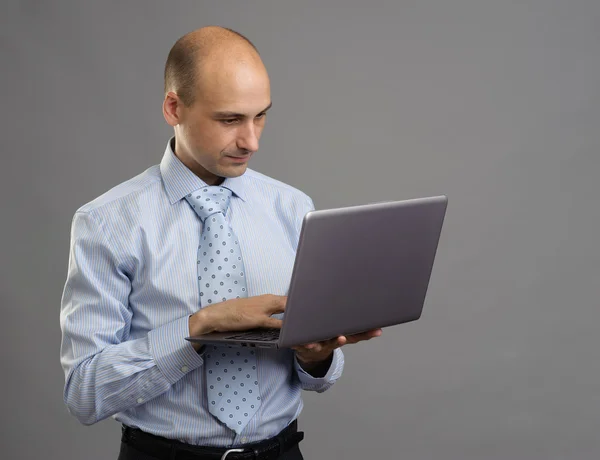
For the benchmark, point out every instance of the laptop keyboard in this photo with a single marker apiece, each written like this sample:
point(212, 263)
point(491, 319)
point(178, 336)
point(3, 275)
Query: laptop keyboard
point(263, 335)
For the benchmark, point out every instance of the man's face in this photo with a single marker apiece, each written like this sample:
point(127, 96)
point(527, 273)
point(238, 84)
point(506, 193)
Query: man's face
point(219, 132)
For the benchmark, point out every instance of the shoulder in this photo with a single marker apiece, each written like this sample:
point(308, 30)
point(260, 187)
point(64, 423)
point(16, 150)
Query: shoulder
point(263, 184)
point(126, 192)
point(125, 199)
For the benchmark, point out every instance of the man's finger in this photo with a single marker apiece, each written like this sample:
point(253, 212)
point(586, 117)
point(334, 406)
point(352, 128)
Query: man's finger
point(336, 342)
point(331, 343)
point(358, 338)
point(273, 323)
point(364, 336)
point(276, 304)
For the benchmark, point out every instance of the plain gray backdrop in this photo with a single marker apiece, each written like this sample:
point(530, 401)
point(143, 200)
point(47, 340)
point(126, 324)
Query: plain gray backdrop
point(494, 103)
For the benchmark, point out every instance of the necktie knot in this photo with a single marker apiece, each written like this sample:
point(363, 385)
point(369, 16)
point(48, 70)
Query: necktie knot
point(209, 200)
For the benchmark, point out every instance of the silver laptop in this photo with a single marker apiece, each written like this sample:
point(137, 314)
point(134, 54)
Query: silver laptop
point(356, 269)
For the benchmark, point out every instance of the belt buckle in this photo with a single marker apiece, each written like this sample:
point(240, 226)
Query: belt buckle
point(229, 451)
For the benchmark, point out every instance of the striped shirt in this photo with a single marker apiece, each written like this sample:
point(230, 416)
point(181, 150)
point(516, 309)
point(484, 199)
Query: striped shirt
point(132, 285)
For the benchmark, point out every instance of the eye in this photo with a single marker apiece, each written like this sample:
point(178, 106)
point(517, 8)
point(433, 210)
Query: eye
point(230, 121)
point(261, 115)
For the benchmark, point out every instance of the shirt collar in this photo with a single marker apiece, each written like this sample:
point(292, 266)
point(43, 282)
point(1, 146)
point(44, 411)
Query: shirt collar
point(179, 180)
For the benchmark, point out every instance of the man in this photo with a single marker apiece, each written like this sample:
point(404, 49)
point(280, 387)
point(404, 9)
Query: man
point(135, 286)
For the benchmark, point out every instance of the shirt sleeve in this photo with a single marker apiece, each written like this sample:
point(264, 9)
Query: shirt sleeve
point(106, 371)
point(320, 384)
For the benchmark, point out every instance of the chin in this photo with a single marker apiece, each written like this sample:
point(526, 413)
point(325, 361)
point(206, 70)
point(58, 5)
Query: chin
point(232, 172)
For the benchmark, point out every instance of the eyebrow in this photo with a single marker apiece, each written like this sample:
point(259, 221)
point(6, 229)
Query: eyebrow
point(236, 114)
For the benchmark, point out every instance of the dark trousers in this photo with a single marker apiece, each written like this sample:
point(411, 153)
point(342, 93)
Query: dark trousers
point(129, 453)
point(137, 445)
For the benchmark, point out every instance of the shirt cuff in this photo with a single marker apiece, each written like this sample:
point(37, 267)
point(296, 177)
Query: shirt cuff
point(316, 383)
point(173, 355)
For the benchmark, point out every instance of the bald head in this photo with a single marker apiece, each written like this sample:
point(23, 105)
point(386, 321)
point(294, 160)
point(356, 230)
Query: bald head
point(201, 59)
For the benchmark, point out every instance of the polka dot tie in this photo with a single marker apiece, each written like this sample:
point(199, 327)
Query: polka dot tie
point(231, 377)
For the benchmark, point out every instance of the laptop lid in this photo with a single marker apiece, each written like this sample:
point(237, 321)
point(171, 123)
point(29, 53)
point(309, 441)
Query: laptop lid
point(362, 267)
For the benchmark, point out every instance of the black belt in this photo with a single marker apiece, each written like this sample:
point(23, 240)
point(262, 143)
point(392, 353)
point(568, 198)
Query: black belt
point(170, 449)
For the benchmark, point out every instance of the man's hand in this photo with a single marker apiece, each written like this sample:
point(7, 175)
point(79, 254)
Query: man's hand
point(313, 356)
point(239, 314)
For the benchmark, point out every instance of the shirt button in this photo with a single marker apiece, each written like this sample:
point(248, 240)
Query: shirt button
point(244, 439)
point(140, 400)
point(184, 369)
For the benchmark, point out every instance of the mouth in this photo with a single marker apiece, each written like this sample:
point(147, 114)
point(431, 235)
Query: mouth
point(243, 159)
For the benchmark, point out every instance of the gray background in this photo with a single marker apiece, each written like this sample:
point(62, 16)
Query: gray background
point(495, 103)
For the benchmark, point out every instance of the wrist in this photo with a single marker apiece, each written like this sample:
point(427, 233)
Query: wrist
point(316, 368)
point(201, 323)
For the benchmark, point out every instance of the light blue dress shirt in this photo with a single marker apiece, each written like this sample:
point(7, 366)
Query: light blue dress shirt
point(132, 285)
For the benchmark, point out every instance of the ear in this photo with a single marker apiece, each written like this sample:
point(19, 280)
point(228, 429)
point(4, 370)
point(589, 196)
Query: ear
point(172, 107)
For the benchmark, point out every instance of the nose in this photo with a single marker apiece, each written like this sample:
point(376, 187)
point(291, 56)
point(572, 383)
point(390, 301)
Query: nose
point(248, 137)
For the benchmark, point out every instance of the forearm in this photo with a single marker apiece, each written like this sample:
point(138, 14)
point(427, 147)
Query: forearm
point(105, 380)
point(112, 381)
